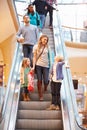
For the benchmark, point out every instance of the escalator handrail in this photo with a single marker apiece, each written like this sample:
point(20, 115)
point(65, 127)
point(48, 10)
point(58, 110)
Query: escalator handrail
point(68, 74)
point(12, 96)
point(9, 79)
point(58, 50)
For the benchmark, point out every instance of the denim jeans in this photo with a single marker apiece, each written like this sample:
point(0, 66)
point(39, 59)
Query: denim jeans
point(27, 51)
point(42, 74)
point(42, 18)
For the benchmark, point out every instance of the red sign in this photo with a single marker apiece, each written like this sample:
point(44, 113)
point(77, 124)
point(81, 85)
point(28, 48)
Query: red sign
point(1, 75)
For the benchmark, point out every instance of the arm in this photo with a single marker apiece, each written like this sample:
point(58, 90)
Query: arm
point(48, 6)
point(22, 75)
point(51, 73)
point(55, 2)
point(37, 33)
point(20, 39)
point(34, 56)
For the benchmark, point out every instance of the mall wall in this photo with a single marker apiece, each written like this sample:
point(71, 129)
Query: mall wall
point(8, 29)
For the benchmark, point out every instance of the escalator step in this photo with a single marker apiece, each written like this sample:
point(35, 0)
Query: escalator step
point(39, 124)
point(34, 105)
point(35, 114)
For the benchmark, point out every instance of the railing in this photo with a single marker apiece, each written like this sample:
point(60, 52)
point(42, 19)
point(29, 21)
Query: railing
point(11, 90)
point(68, 93)
point(74, 34)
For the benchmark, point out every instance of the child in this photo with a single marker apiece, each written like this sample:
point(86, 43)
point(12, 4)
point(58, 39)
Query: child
point(56, 81)
point(25, 69)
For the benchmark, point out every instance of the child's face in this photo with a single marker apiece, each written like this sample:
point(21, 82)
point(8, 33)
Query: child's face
point(28, 62)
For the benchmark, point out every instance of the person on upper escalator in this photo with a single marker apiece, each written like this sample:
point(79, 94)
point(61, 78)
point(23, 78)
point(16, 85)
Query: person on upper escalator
point(42, 7)
point(50, 10)
point(33, 15)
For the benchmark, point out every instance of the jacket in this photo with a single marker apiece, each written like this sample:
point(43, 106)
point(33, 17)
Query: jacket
point(59, 72)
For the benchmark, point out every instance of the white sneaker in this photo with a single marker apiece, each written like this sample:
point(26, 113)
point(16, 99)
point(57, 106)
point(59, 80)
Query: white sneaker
point(52, 107)
point(57, 108)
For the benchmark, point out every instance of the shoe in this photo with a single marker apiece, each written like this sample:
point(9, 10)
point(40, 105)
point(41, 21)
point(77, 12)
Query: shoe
point(45, 89)
point(24, 97)
point(57, 108)
point(41, 99)
point(52, 107)
point(28, 99)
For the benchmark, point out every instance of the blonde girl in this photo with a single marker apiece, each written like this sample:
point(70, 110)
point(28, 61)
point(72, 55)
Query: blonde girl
point(25, 69)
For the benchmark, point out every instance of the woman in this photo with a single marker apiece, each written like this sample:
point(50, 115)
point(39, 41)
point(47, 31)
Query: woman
point(41, 63)
point(34, 16)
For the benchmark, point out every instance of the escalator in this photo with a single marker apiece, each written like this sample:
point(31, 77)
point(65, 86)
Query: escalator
point(19, 115)
point(33, 115)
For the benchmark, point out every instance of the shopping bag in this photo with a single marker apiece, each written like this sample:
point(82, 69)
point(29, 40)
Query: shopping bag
point(31, 81)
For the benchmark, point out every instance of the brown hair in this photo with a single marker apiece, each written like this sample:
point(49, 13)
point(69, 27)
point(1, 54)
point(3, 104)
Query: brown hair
point(28, 11)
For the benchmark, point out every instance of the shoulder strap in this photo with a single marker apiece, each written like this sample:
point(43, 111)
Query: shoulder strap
point(40, 54)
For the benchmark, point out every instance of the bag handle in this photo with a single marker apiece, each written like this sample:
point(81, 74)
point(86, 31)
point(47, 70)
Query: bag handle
point(38, 57)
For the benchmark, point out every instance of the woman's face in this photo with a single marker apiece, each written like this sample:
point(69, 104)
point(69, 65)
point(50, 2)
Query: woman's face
point(31, 8)
point(44, 40)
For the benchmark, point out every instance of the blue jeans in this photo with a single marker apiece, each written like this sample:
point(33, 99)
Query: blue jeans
point(42, 18)
point(27, 51)
point(42, 74)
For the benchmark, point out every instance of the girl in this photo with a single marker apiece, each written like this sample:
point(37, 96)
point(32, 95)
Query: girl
point(25, 69)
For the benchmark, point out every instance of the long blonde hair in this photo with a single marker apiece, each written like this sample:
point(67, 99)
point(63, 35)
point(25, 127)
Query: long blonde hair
point(40, 41)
